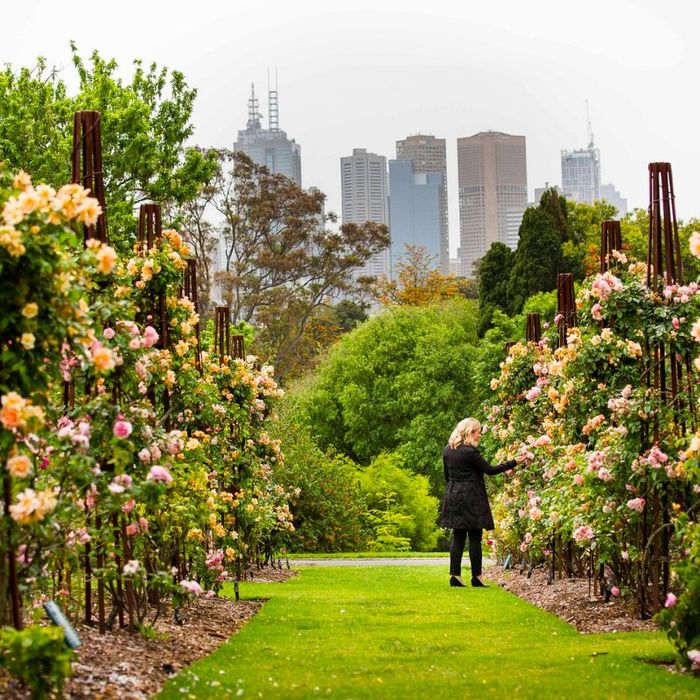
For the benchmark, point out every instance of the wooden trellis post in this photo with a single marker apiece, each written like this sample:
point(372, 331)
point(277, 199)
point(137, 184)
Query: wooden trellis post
point(87, 166)
point(566, 304)
point(533, 328)
point(610, 239)
point(222, 331)
point(149, 231)
point(226, 343)
point(189, 291)
point(150, 224)
point(664, 267)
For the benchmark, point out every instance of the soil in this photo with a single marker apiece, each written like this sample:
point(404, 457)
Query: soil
point(134, 667)
point(572, 600)
point(130, 666)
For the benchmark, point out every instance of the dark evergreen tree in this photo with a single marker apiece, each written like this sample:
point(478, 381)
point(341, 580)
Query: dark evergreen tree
point(493, 278)
point(538, 259)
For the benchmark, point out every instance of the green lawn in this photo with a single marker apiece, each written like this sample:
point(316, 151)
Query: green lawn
point(401, 632)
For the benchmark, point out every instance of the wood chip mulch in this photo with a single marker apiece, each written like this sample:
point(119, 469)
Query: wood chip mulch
point(133, 667)
point(569, 599)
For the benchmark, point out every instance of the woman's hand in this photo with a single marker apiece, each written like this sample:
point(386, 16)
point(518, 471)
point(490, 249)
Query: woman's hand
point(524, 456)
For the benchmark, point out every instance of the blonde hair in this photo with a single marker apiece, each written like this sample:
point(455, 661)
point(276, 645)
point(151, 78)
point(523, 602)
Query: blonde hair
point(463, 434)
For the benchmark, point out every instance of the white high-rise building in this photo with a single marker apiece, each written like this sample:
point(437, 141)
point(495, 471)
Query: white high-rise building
point(580, 174)
point(364, 193)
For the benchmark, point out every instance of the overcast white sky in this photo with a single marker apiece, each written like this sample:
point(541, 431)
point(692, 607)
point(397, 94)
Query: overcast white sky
point(364, 73)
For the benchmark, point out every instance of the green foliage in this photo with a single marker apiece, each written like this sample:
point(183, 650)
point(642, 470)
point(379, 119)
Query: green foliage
point(538, 258)
point(145, 123)
point(326, 503)
point(543, 303)
point(493, 279)
point(582, 250)
point(399, 382)
point(400, 509)
point(681, 617)
point(37, 656)
point(490, 354)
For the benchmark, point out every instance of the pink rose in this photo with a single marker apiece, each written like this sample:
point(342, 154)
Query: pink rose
point(578, 479)
point(150, 337)
point(671, 600)
point(143, 524)
point(615, 591)
point(128, 506)
point(636, 504)
point(132, 529)
point(158, 473)
point(122, 429)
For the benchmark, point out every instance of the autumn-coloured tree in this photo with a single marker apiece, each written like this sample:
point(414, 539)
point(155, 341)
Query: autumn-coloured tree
point(280, 262)
point(420, 282)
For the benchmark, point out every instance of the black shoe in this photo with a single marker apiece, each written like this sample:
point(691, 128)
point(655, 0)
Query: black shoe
point(456, 583)
point(476, 583)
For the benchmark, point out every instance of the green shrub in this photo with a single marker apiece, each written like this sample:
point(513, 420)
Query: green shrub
point(401, 513)
point(681, 617)
point(328, 506)
point(36, 656)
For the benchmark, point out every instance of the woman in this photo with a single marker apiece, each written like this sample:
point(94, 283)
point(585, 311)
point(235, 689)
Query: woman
point(465, 506)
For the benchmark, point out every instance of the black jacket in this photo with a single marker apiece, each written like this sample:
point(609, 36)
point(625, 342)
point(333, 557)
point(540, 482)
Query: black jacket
point(465, 504)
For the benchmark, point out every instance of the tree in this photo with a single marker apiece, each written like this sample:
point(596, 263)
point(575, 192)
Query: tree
point(398, 382)
point(538, 258)
point(582, 251)
point(281, 264)
point(419, 282)
point(144, 122)
point(492, 279)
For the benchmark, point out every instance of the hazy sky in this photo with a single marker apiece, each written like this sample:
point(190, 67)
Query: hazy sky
point(362, 74)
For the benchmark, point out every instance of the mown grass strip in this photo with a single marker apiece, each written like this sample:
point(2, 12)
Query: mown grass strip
point(401, 632)
point(370, 555)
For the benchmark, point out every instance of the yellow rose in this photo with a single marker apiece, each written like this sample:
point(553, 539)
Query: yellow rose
point(28, 341)
point(19, 466)
point(106, 258)
point(30, 310)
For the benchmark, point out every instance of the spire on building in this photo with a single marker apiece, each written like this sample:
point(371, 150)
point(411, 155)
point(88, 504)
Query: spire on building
point(591, 143)
point(272, 104)
point(253, 110)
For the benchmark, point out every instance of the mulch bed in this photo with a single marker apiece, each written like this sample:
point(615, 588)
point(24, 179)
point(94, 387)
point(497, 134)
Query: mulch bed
point(132, 667)
point(569, 599)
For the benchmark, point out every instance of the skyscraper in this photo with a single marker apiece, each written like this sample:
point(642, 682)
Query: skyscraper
point(429, 155)
point(492, 175)
point(610, 194)
point(580, 174)
point(269, 147)
point(364, 192)
point(415, 210)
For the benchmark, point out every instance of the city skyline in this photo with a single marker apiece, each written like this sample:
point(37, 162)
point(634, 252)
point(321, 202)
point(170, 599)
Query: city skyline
point(367, 73)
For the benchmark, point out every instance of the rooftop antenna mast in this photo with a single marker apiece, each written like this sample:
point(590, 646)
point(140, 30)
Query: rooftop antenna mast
point(591, 143)
point(253, 109)
point(273, 106)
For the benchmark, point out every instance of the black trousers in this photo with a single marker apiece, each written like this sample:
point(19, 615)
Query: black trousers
point(459, 539)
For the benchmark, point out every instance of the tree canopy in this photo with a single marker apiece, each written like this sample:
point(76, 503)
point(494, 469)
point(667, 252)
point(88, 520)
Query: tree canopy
point(281, 263)
point(145, 123)
point(400, 381)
